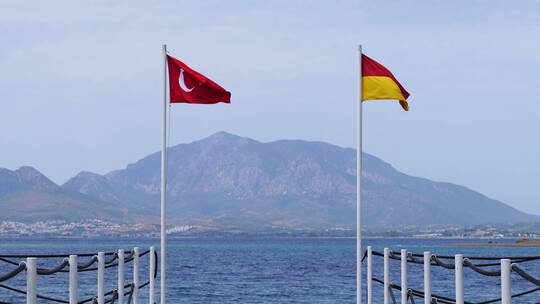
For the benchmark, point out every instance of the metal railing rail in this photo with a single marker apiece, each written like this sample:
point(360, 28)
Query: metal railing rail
point(97, 262)
point(507, 266)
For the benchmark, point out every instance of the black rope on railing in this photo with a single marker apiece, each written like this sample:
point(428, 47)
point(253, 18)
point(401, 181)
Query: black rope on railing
point(90, 299)
point(89, 263)
point(485, 258)
point(410, 296)
point(414, 260)
point(440, 299)
point(445, 300)
point(517, 295)
point(14, 272)
point(83, 254)
point(130, 298)
point(392, 297)
point(364, 256)
point(62, 266)
point(496, 273)
point(81, 268)
point(53, 270)
point(437, 261)
point(394, 256)
point(127, 259)
point(84, 267)
point(9, 261)
point(155, 264)
point(130, 256)
point(514, 259)
point(112, 259)
point(522, 273)
point(42, 297)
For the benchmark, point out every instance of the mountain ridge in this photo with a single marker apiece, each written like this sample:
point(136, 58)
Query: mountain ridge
point(229, 180)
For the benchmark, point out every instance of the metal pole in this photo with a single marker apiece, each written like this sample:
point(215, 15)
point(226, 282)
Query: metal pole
point(101, 278)
point(163, 178)
point(31, 280)
point(458, 260)
point(120, 276)
point(427, 277)
point(369, 275)
point(386, 276)
point(73, 289)
point(136, 275)
point(506, 281)
point(404, 276)
point(359, 186)
point(151, 288)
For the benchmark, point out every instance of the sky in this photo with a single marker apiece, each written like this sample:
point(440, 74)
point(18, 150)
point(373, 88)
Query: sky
point(81, 83)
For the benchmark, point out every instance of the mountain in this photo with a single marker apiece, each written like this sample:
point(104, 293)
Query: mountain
point(232, 181)
point(27, 195)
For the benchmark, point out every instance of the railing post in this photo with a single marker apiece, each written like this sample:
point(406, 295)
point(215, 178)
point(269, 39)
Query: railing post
point(152, 270)
point(427, 277)
point(73, 273)
point(136, 275)
point(386, 276)
point(506, 281)
point(458, 261)
point(101, 278)
point(31, 280)
point(404, 276)
point(369, 271)
point(120, 276)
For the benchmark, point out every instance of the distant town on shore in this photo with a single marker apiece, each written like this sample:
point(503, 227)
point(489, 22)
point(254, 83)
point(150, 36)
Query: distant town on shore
point(104, 229)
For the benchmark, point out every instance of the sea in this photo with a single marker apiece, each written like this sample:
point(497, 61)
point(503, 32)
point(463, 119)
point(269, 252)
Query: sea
point(267, 269)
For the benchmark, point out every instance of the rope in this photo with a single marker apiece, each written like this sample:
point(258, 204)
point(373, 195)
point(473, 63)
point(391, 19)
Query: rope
point(14, 272)
point(437, 261)
point(87, 264)
point(85, 254)
point(20, 291)
point(62, 266)
point(131, 293)
point(522, 273)
point(440, 299)
point(392, 297)
point(445, 300)
point(496, 273)
point(410, 296)
point(84, 267)
point(515, 259)
point(91, 299)
point(53, 270)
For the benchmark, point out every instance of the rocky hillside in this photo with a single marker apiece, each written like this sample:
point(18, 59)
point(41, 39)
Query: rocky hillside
point(230, 180)
point(27, 195)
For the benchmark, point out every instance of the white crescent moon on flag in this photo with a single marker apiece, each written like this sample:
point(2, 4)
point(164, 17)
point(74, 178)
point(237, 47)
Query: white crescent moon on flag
point(182, 83)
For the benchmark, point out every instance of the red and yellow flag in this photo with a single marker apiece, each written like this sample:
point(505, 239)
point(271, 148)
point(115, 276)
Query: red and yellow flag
point(379, 83)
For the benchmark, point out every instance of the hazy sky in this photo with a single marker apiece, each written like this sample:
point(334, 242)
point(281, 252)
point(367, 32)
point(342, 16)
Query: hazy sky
point(81, 82)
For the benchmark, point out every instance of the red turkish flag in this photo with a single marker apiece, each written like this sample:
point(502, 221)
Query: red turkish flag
point(189, 86)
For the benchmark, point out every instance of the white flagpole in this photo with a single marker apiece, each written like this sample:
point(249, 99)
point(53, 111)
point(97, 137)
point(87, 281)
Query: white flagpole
point(359, 187)
point(163, 178)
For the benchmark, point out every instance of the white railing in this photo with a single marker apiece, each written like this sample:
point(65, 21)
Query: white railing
point(72, 265)
point(457, 263)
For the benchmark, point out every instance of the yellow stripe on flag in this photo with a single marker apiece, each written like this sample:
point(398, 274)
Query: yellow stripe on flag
point(382, 87)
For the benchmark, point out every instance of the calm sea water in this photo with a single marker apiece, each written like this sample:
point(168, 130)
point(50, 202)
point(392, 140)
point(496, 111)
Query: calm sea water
point(268, 270)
